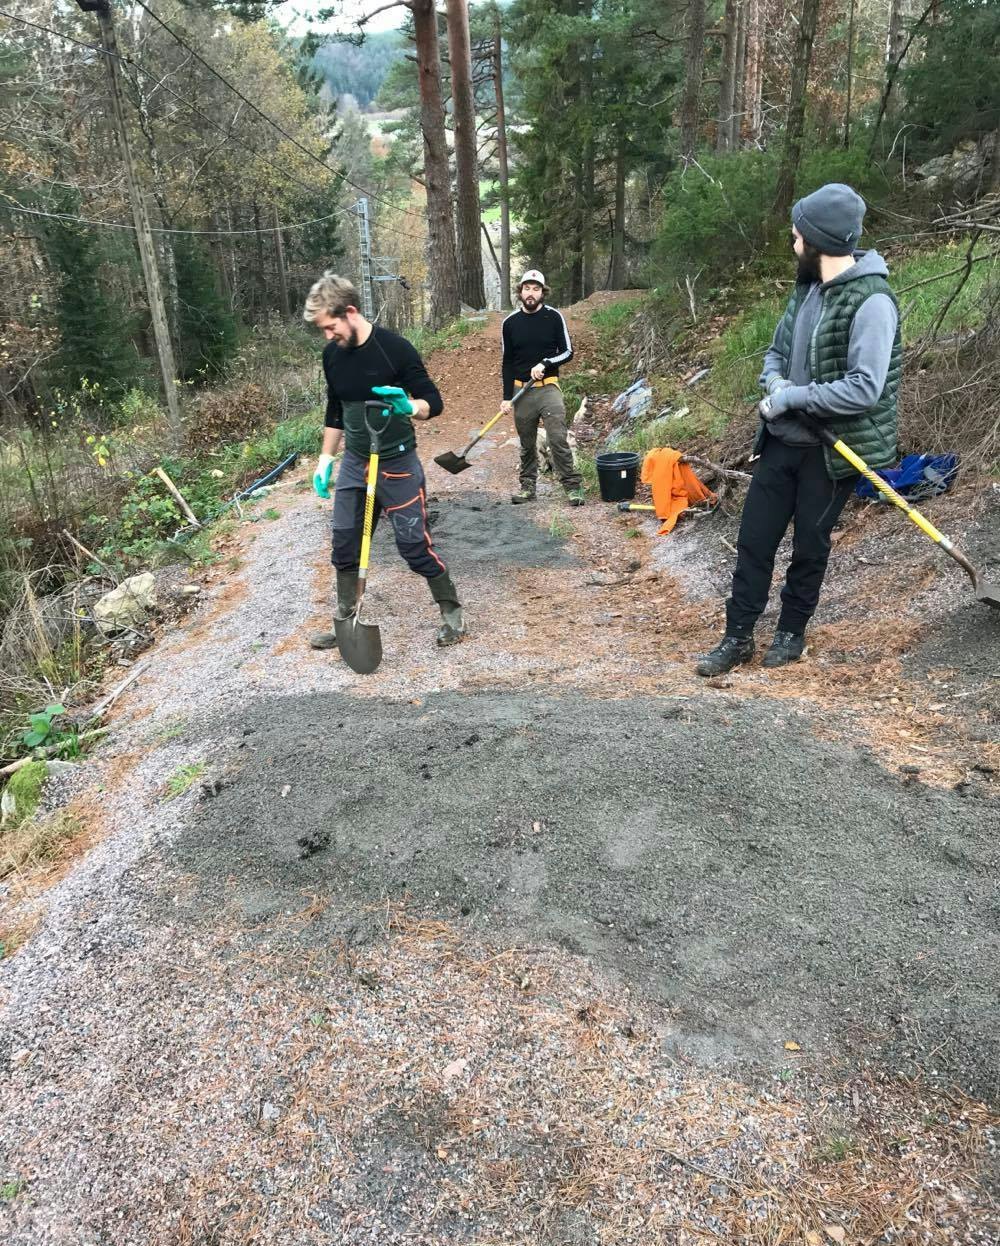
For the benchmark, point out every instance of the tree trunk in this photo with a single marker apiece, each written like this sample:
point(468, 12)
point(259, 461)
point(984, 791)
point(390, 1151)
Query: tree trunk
point(576, 237)
point(442, 269)
point(896, 34)
point(995, 165)
point(739, 82)
point(586, 202)
point(753, 72)
point(164, 241)
point(279, 256)
point(850, 75)
point(795, 122)
point(901, 13)
point(695, 62)
point(723, 130)
point(217, 247)
point(502, 162)
point(143, 236)
point(616, 276)
point(260, 285)
point(470, 248)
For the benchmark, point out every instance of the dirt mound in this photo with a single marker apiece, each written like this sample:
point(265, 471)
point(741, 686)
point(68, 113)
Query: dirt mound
point(764, 885)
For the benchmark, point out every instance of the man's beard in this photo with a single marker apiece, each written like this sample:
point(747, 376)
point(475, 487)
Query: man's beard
point(529, 300)
point(808, 270)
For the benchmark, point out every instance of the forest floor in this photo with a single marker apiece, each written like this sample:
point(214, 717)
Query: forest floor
point(537, 939)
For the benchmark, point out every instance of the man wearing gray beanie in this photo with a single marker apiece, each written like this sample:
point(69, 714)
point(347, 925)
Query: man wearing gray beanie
point(835, 359)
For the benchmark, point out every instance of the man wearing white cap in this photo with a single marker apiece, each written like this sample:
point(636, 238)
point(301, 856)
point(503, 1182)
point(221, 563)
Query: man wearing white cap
point(534, 343)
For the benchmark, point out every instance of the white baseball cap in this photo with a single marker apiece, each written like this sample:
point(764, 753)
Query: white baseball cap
point(533, 275)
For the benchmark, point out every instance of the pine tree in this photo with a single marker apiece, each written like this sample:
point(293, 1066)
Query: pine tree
point(206, 328)
point(95, 328)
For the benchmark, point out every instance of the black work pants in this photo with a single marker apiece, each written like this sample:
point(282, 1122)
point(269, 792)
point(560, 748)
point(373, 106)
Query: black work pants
point(789, 483)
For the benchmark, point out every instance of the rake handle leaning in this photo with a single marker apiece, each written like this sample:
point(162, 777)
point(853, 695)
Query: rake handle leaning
point(876, 481)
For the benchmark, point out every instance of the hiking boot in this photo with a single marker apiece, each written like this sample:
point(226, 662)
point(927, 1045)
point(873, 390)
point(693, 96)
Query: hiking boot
point(729, 652)
point(526, 495)
point(347, 597)
point(452, 628)
point(784, 648)
point(575, 497)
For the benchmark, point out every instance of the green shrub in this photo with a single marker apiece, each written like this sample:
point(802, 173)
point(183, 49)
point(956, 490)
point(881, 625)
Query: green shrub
point(716, 216)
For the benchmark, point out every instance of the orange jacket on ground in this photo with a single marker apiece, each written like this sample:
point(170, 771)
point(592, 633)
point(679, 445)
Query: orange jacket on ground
point(675, 486)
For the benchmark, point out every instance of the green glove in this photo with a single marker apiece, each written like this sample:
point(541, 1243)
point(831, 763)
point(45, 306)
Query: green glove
point(395, 399)
point(321, 477)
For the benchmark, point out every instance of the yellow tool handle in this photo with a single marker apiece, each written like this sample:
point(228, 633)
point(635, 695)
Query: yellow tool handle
point(366, 536)
point(499, 415)
point(888, 491)
point(488, 425)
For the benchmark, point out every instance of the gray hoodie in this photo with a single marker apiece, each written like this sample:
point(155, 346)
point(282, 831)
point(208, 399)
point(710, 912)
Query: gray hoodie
point(873, 331)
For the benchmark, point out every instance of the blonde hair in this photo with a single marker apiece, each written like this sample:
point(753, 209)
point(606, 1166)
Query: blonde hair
point(330, 294)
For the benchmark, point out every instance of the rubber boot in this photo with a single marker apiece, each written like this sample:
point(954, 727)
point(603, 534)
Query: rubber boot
point(452, 628)
point(347, 597)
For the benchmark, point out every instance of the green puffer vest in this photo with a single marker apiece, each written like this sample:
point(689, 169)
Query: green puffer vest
point(871, 435)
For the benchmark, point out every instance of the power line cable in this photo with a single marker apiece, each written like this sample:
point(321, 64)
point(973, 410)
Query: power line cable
point(227, 134)
point(127, 60)
point(198, 233)
point(263, 115)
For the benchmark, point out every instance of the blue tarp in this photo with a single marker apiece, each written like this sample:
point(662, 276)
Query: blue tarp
point(918, 476)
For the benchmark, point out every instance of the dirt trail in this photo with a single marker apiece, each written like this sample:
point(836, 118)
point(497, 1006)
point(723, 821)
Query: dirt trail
point(538, 939)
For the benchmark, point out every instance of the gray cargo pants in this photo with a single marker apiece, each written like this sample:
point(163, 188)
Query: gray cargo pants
point(544, 404)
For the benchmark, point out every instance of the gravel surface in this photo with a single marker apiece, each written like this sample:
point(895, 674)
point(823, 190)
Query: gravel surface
point(537, 939)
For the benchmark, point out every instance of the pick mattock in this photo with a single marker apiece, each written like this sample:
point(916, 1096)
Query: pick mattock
point(456, 463)
point(360, 643)
point(988, 594)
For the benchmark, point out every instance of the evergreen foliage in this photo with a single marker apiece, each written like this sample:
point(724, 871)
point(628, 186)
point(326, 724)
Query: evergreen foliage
point(206, 327)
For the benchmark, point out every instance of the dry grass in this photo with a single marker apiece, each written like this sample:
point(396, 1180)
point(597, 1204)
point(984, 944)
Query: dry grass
point(37, 842)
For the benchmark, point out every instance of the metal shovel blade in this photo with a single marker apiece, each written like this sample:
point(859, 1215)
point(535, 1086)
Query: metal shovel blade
point(988, 594)
point(360, 644)
point(452, 462)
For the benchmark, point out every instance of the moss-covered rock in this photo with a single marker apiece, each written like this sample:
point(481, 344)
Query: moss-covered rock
point(24, 791)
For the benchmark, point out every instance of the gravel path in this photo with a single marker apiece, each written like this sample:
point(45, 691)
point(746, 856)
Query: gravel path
point(532, 940)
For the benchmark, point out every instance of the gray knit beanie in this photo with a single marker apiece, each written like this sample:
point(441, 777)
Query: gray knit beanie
point(830, 218)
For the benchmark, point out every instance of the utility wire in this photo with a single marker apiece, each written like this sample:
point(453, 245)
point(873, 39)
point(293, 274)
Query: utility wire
point(227, 134)
point(127, 60)
point(270, 120)
point(198, 233)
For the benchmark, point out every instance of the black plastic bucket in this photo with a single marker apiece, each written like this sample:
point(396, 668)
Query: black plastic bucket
point(616, 473)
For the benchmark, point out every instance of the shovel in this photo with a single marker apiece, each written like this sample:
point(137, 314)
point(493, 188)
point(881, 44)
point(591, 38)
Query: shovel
point(456, 463)
point(360, 643)
point(988, 594)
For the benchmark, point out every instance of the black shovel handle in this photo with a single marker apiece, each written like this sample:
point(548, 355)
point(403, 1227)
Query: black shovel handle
point(374, 434)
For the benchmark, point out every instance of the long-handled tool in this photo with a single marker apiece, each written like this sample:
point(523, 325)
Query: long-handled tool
point(625, 507)
point(360, 643)
point(456, 463)
point(988, 594)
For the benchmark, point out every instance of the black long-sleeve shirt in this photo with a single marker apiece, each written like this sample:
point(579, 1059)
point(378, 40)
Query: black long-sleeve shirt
point(528, 338)
point(351, 372)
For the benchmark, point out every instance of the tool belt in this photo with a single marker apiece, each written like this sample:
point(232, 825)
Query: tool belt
point(549, 380)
